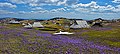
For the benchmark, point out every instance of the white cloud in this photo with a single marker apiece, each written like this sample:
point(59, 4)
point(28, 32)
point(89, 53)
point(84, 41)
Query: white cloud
point(5, 12)
point(45, 2)
point(65, 14)
point(37, 8)
point(92, 4)
point(64, 2)
point(57, 10)
point(41, 10)
point(92, 7)
point(22, 12)
point(8, 5)
point(108, 7)
point(82, 10)
point(72, 4)
point(53, 0)
point(118, 6)
point(45, 11)
point(17, 1)
point(33, 12)
point(23, 1)
point(117, 9)
point(33, 4)
point(116, 1)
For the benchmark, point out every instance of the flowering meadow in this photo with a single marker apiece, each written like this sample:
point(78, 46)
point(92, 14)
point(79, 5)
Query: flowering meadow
point(20, 40)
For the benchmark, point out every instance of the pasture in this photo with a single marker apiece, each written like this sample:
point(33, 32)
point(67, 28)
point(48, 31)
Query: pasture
point(15, 39)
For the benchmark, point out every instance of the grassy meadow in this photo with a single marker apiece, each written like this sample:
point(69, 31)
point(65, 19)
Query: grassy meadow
point(15, 39)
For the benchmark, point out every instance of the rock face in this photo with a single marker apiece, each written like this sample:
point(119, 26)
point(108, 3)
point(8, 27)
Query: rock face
point(97, 24)
point(37, 24)
point(8, 20)
point(80, 24)
point(14, 22)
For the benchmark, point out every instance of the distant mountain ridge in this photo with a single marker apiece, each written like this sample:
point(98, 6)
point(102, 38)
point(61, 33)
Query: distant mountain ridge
point(20, 19)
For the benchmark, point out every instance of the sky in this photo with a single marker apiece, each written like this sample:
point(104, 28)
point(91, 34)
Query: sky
point(46, 9)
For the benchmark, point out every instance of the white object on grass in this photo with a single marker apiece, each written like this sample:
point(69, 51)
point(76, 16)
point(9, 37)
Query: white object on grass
point(63, 33)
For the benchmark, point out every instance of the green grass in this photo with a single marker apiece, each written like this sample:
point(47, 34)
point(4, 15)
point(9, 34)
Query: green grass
point(25, 34)
point(112, 43)
point(107, 37)
point(110, 37)
point(47, 29)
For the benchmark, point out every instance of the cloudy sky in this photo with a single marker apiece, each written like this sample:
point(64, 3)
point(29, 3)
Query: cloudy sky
point(43, 9)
